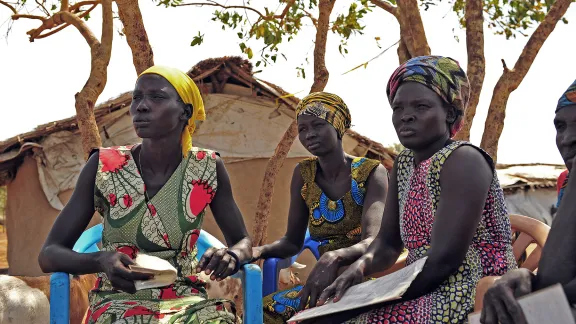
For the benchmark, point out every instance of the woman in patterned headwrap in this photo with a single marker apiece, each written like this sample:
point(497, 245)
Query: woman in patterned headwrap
point(152, 198)
point(444, 203)
point(558, 261)
point(338, 197)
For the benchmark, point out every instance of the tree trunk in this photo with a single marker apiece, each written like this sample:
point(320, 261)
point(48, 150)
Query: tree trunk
point(86, 98)
point(412, 28)
point(476, 62)
point(511, 79)
point(403, 53)
point(260, 231)
point(136, 36)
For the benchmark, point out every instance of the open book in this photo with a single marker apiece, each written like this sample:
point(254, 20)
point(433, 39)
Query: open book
point(548, 305)
point(164, 273)
point(383, 289)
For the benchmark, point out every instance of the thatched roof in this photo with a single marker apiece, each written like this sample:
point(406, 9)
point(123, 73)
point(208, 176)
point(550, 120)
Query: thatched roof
point(514, 177)
point(210, 75)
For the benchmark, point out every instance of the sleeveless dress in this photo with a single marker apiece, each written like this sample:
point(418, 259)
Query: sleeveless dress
point(490, 253)
point(334, 224)
point(167, 227)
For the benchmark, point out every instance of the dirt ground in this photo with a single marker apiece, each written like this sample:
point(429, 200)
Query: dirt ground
point(3, 247)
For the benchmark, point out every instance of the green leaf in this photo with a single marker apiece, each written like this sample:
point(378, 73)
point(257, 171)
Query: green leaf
point(54, 7)
point(197, 40)
point(249, 52)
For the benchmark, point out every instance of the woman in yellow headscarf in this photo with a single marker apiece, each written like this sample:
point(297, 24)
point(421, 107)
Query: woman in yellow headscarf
point(152, 199)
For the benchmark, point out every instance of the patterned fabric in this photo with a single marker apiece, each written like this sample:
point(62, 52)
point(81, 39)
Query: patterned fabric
point(561, 185)
point(335, 224)
point(326, 106)
point(568, 98)
point(442, 75)
point(189, 93)
point(167, 227)
point(490, 253)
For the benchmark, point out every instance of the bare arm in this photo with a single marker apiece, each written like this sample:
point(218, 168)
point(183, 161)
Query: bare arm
point(292, 242)
point(465, 181)
point(558, 262)
point(56, 253)
point(376, 190)
point(228, 216)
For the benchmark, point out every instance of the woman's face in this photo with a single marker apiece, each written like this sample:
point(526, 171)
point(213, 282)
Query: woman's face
point(565, 123)
point(317, 135)
point(156, 109)
point(419, 116)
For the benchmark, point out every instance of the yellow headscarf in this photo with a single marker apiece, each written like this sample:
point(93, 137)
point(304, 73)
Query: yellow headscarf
point(189, 94)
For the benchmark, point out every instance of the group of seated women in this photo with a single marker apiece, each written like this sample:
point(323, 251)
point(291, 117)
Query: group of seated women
point(441, 200)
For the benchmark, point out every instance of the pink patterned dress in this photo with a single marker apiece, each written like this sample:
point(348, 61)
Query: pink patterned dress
point(167, 227)
point(490, 253)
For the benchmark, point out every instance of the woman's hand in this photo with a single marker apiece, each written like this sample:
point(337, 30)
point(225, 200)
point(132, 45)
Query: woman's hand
point(217, 262)
point(116, 267)
point(500, 305)
point(323, 274)
point(352, 276)
point(256, 253)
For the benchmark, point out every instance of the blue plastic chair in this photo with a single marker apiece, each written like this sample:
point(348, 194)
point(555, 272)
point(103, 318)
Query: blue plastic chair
point(272, 266)
point(60, 282)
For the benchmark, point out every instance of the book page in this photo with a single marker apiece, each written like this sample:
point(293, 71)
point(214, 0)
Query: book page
point(548, 305)
point(383, 289)
point(164, 273)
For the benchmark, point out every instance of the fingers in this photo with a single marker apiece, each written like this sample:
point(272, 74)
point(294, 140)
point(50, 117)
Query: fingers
point(230, 269)
point(341, 288)
point(123, 284)
point(221, 267)
point(488, 316)
point(205, 259)
point(313, 298)
point(215, 260)
point(125, 259)
point(513, 308)
point(304, 295)
point(326, 294)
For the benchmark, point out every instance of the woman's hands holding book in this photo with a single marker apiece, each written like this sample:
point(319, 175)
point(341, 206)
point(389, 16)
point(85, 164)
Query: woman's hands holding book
point(350, 277)
point(116, 266)
point(220, 263)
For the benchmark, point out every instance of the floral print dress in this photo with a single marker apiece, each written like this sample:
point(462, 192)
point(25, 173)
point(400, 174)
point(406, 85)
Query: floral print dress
point(490, 253)
point(335, 224)
point(167, 227)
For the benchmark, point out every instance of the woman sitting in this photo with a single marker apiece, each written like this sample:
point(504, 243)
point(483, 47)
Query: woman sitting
point(444, 203)
point(152, 198)
point(339, 197)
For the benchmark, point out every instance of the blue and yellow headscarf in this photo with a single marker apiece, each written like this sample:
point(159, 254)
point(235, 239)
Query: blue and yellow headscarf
point(443, 75)
point(327, 106)
point(568, 98)
point(189, 93)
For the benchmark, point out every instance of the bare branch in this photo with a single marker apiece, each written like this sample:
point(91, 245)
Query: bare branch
point(476, 62)
point(18, 16)
point(511, 79)
point(136, 36)
point(41, 5)
point(9, 6)
point(386, 6)
point(285, 11)
point(82, 15)
point(215, 4)
point(76, 7)
point(64, 5)
point(107, 30)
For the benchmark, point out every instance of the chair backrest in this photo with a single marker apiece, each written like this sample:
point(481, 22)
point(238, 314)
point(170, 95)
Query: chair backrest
point(531, 231)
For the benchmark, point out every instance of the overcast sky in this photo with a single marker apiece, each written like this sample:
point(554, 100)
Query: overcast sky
point(39, 80)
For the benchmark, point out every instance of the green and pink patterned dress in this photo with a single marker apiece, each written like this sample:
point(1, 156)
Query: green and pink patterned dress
point(167, 228)
point(490, 253)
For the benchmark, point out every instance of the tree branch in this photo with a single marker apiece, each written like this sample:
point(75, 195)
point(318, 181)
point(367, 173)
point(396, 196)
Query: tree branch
point(107, 30)
point(52, 32)
point(77, 22)
point(386, 6)
point(9, 7)
point(215, 4)
point(25, 16)
point(75, 7)
point(285, 11)
point(64, 5)
point(412, 28)
point(476, 62)
point(136, 36)
point(511, 79)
